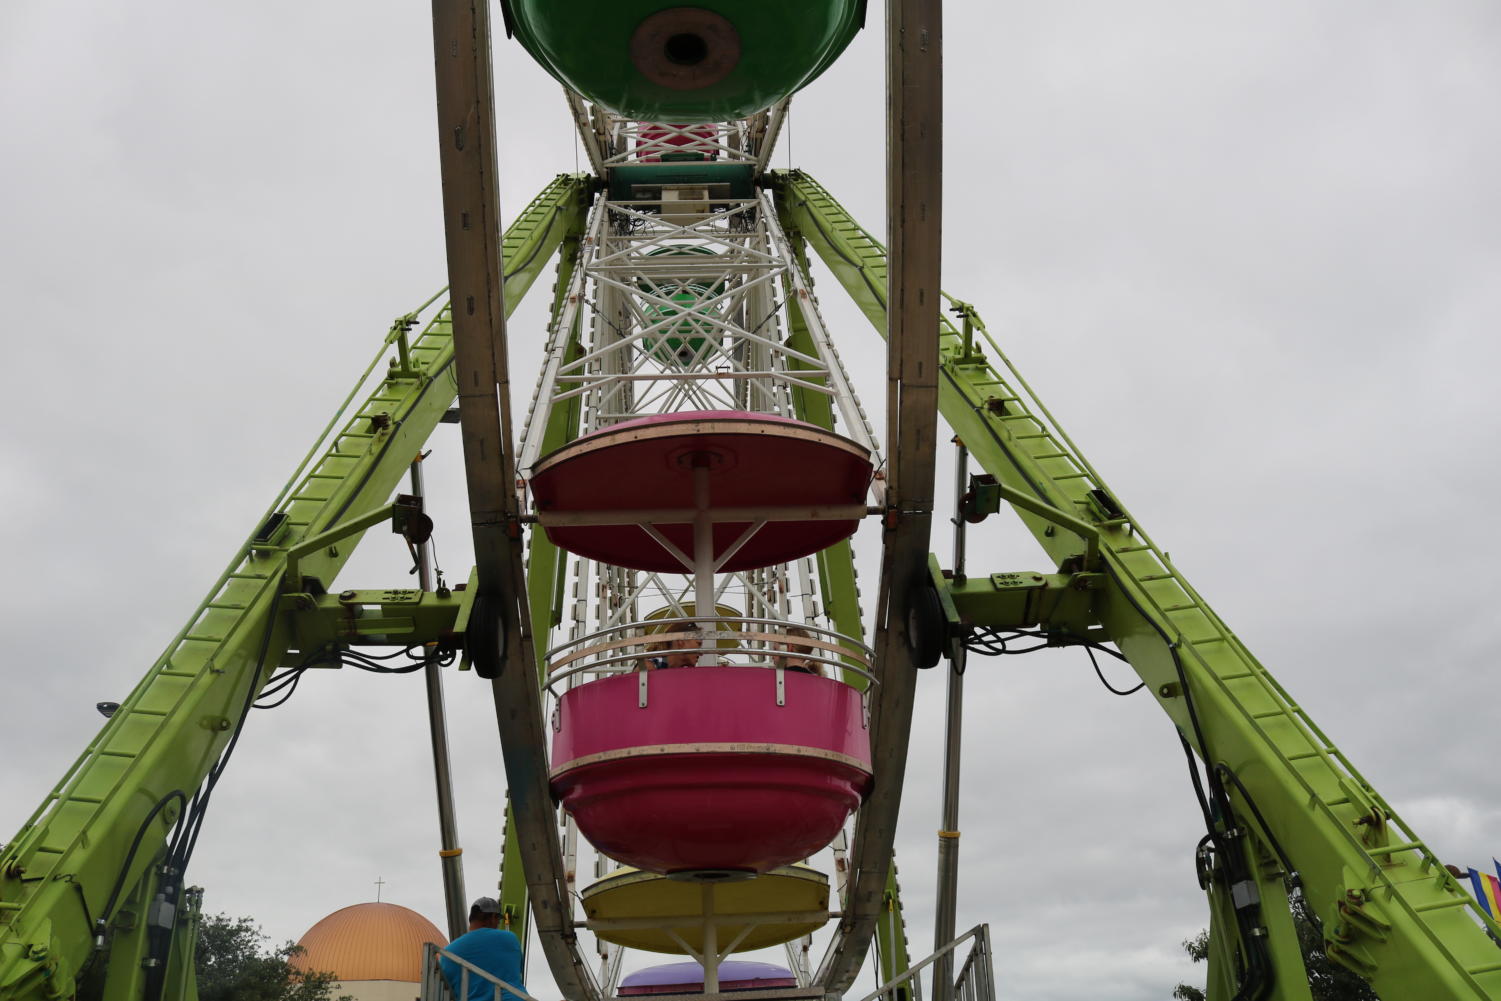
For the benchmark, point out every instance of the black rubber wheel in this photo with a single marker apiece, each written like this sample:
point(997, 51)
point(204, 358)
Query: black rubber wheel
point(485, 639)
point(925, 626)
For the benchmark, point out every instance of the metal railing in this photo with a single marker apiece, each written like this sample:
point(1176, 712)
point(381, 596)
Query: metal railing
point(738, 641)
point(435, 986)
point(975, 981)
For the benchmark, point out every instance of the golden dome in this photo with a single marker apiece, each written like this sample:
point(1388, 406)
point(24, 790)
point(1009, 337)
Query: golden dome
point(369, 942)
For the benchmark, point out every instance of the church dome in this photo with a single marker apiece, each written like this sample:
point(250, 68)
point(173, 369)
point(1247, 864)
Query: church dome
point(369, 942)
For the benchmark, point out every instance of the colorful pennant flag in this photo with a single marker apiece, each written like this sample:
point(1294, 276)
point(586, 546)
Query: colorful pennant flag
point(1488, 890)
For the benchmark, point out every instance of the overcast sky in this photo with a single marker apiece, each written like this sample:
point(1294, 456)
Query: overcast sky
point(1246, 251)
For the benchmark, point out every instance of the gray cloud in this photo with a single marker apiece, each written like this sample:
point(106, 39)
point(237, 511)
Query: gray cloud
point(1247, 253)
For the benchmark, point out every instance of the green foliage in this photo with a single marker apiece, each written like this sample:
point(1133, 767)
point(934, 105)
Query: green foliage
point(1198, 951)
point(1327, 980)
point(233, 964)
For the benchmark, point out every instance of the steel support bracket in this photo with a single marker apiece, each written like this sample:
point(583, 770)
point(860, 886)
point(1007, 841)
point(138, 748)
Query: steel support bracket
point(1021, 600)
point(1352, 924)
point(376, 617)
point(955, 629)
point(967, 355)
point(401, 366)
point(466, 607)
point(406, 517)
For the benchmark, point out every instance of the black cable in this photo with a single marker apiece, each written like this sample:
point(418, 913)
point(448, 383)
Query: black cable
point(1255, 812)
point(285, 683)
point(1198, 784)
point(1101, 675)
point(993, 642)
point(135, 844)
point(289, 686)
point(180, 851)
point(180, 829)
point(190, 840)
point(1260, 981)
point(102, 922)
point(1260, 973)
point(553, 218)
point(83, 901)
point(878, 292)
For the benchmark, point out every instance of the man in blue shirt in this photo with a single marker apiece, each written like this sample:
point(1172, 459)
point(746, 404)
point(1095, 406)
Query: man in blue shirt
point(490, 948)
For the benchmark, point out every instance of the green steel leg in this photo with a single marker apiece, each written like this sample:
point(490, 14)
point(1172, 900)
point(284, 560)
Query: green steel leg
point(891, 936)
point(65, 876)
point(1394, 914)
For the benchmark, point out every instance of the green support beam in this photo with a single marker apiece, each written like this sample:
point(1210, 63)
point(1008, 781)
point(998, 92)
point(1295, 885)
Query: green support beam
point(390, 617)
point(1390, 910)
point(66, 874)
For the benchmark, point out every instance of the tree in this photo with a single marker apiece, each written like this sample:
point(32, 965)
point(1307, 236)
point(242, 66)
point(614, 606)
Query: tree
point(233, 964)
point(1198, 951)
point(1327, 980)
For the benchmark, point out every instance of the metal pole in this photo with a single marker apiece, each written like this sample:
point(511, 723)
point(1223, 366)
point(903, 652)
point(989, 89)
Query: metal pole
point(961, 477)
point(711, 941)
point(948, 828)
point(703, 564)
point(437, 722)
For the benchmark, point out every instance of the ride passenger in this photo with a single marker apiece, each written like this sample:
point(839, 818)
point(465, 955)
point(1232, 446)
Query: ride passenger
point(656, 657)
point(681, 652)
point(799, 654)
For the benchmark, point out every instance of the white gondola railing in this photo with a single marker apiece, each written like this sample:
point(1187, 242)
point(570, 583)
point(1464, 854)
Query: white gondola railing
point(737, 641)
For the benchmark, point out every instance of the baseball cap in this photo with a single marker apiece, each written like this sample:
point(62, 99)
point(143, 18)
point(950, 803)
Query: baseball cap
point(485, 905)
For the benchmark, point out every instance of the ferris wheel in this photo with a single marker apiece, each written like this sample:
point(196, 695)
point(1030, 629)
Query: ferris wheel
point(664, 606)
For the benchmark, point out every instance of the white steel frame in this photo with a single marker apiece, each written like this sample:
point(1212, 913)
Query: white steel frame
point(686, 314)
point(684, 305)
point(610, 140)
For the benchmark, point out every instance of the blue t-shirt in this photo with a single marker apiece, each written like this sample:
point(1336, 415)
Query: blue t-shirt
point(494, 950)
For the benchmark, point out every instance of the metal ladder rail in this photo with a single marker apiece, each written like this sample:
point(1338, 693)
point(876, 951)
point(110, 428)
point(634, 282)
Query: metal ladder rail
point(1030, 441)
point(1161, 569)
point(303, 497)
point(229, 622)
point(1329, 784)
point(228, 603)
point(137, 774)
point(1150, 566)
